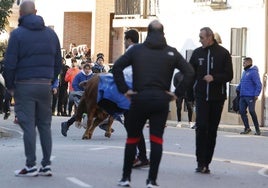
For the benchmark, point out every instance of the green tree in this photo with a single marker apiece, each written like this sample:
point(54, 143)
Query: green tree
point(5, 11)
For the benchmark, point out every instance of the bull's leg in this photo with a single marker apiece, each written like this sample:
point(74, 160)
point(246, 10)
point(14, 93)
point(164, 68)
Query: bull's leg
point(88, 132)
point(95, 123)
point(108, 132)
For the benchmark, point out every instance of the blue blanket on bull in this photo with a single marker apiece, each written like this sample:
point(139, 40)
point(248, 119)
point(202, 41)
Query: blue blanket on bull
point(109, 98)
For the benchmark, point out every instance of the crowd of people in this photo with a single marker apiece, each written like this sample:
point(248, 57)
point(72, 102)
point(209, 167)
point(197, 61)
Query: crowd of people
point(40, 78)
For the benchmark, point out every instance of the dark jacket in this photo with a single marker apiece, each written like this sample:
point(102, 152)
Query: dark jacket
point(33, 52)
point(153, 63)
point(216, 61)
point(62, 83)
point(178, 78)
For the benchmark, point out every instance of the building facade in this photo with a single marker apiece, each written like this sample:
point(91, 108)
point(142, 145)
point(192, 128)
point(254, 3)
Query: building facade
point(101, 24)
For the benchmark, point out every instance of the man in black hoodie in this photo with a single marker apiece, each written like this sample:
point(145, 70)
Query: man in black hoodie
point(153, 63)
point(213, 69)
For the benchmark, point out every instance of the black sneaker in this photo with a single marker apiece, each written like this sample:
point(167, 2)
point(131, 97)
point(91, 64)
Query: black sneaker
point(202, 169)
point(246, 131)
point(124, 182)
point(64, 128)
point(258, 132)
point(7, 114)
point(27, 171)
point(45, 171)
point(151, 183)
point(104, 127)
point(137, 163)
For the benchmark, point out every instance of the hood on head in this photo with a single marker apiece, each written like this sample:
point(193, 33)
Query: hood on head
point(155, 40)
point(32, 22)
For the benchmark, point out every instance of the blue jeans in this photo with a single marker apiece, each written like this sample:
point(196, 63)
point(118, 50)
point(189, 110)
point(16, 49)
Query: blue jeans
point(248, 102)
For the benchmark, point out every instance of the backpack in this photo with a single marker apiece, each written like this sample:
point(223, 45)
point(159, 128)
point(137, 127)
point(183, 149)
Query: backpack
point(235, 103)
point(178, 77)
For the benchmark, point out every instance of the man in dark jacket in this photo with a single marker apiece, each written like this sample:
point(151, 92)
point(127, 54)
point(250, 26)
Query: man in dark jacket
point(32, 63)
point(213, 69)
point(150, 96)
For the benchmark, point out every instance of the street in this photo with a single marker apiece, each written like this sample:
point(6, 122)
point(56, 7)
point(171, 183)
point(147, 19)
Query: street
point(239, 160)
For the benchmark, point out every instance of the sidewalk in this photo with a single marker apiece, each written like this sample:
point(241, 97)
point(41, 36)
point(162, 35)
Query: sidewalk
point(223, 127)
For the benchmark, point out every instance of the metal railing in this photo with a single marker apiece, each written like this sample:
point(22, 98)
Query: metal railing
point(136, 8)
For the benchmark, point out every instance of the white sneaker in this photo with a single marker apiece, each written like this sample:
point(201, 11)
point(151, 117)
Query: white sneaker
point(192, 125)
point(30, 172)
point(45, 171)
point(179, 124)
point(124, 183)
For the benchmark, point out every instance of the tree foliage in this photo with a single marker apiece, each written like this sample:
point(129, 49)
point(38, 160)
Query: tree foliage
point(5, 11)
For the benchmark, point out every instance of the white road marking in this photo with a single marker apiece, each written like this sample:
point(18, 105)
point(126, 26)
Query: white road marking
point(94, 149)
point(243, 136)
point(78, 182)
point(263, 172)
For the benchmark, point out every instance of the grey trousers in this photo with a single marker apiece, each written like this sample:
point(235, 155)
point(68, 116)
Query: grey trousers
point(33, 109)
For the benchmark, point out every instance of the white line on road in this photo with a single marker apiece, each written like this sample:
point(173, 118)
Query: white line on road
point(263, 172)
point(78, 182)
point(94, 149)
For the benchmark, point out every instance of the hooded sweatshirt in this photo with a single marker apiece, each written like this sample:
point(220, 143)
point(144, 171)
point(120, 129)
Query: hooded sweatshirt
point(33, 52)
point(250, 84)
point(153, 63)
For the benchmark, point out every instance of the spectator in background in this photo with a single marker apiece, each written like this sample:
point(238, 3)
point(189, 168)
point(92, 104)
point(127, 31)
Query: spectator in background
point(188, 99)
point(55, 94)
point(249, 89)
point(63, 91)
point(99, 65)
point(70, 74)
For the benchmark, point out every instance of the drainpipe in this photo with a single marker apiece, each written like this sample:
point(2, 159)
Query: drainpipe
point(265, 77)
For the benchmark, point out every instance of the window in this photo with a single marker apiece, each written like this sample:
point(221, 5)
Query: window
point(238, 52)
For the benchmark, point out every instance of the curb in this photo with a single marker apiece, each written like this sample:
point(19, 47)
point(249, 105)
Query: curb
point(225, 128)
point(4, 133)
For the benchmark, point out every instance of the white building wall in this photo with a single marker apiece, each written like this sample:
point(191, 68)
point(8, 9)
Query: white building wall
point(183, 19)
point(53, 12)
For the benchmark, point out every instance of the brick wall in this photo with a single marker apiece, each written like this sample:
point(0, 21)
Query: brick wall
point(104, 12)
point(77, 29)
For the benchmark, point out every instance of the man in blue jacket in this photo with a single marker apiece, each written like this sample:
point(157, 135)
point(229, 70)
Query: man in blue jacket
point(249, 89)
point(32, 63)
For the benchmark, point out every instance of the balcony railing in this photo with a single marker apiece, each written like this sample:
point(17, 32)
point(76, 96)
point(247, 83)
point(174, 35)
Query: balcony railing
point(136, 8)
point(214, 4)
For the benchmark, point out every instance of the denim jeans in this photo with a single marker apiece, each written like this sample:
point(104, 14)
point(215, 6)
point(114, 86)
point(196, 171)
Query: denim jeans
point(244, 103)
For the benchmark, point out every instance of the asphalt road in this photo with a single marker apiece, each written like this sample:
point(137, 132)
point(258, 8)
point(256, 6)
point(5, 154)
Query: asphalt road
point(239, 160)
